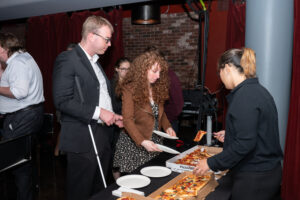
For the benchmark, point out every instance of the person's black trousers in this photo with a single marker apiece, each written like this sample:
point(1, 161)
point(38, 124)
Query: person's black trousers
point(83, 176)
point(249, 186)
point(17, 124)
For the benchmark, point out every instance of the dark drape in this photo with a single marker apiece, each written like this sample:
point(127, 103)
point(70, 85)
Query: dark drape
point(235, 36)
point(49, 35)
point(291, 164)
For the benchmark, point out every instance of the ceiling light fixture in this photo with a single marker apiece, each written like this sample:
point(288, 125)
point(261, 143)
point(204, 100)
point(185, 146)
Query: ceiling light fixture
point(145, 14)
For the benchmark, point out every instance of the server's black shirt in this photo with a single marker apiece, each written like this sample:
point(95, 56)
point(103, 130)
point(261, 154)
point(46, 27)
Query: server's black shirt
point(251, 134)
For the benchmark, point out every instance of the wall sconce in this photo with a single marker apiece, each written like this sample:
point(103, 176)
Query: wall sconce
point(145, 14)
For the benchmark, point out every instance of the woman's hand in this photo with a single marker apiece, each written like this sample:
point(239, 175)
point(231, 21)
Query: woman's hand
point(150, 146)
point(220, 135)
point(171, 132)
point(201, 168)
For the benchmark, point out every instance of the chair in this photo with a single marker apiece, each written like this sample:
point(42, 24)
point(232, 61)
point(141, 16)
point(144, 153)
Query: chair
point(19, 150)
point(46, 132)
point(15, 151)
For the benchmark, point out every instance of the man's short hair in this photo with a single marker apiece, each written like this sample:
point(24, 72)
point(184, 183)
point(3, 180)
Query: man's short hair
point(11, 43)
point(92, 23)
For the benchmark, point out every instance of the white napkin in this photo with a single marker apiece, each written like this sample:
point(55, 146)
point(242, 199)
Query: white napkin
point(119, 191)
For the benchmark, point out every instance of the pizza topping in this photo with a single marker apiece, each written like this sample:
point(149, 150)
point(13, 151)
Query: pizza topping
point(188, 186)
point(193, 158)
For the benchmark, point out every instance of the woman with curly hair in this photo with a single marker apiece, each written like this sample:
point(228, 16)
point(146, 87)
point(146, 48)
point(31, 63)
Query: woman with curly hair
point(145, 88)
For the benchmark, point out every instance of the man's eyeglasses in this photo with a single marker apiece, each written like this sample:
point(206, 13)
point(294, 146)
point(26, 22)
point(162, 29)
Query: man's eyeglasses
point(107, 40)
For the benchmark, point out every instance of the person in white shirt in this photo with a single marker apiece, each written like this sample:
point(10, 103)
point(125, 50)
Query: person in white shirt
point(21, 102)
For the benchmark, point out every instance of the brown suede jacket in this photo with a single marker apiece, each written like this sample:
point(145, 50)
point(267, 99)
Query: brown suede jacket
point(139, 121)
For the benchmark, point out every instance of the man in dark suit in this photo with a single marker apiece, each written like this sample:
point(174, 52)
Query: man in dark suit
point(82, 93)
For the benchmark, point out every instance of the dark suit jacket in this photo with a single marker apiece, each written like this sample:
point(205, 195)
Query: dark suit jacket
point(75, 114)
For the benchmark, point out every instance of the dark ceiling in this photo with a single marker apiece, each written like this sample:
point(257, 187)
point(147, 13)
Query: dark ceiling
point(16, 9)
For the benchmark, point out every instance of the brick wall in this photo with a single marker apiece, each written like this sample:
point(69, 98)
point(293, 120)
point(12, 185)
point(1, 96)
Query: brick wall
point(176, 37)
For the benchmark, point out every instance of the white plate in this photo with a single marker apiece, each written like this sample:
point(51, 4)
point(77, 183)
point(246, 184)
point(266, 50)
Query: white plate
point(156, 171)
point(133, 181)
point(165, 135)
point(167, 149)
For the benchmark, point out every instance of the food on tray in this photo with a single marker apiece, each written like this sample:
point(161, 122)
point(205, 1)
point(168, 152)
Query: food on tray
point(199, 136)
point(126, 198)
point(187, 187)
point(194, 157)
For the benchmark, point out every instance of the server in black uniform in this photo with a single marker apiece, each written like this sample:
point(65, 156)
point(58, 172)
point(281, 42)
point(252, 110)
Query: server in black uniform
point(252, 150)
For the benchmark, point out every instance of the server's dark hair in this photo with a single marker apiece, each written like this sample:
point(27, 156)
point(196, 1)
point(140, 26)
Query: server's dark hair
point(243, 59)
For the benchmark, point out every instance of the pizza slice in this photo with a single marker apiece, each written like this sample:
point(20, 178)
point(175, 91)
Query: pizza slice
point(199, 135)
point(193, 158)
point(193, 184)
point(185, 188)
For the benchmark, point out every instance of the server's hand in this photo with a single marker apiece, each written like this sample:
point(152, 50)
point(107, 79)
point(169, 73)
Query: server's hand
point(201, 168)
point(220, 135)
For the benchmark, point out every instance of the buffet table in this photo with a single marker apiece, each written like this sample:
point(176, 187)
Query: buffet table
point(155, 182)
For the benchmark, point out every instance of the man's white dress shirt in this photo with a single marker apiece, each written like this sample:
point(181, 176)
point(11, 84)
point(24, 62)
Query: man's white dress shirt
point(23, 76)
point(104, 98)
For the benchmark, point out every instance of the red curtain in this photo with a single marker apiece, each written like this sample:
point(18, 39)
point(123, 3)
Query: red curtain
point(49, 35)
point(235, 36)
point(291, 164)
